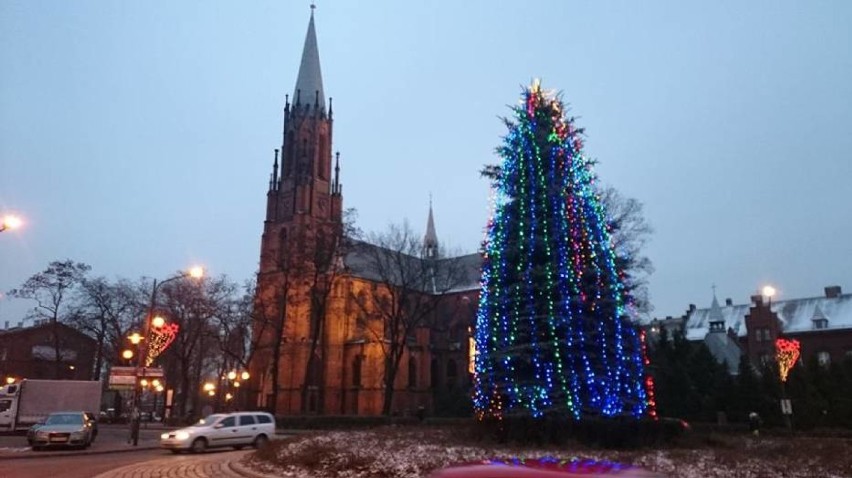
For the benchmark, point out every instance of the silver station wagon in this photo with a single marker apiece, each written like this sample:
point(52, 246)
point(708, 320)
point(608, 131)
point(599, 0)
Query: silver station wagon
point(238, 429)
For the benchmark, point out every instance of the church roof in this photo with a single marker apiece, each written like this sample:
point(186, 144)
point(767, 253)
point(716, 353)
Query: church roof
point(796, 315)
point(361, 262)
point(309, 81)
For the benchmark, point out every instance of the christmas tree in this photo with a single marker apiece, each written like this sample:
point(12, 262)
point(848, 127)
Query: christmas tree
point(553, 335)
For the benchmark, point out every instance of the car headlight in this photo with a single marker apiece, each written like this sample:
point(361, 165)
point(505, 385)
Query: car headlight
point(41, 434)
point(164, 436)
point(182, 435)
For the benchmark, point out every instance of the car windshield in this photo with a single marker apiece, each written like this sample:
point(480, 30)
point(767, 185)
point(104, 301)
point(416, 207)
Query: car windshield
point(208, 420)
point(64, 419)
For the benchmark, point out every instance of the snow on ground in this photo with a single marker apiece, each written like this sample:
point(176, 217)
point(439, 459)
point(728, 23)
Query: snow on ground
point(416, 452)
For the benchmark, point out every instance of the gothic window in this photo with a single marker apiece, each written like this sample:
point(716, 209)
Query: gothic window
point(322, 160)
point(356, 371)
point(824, 358)
point(315, 371)
point(433, 373)
point(412, 372)
point(452, 373)
point(282, 246)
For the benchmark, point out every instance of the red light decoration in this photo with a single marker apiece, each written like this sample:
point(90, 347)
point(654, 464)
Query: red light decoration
point(786, 352)
point(161, 338)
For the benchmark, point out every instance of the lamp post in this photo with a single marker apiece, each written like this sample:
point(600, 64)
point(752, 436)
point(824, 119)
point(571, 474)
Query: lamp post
point(235, 379)
point(150, 321)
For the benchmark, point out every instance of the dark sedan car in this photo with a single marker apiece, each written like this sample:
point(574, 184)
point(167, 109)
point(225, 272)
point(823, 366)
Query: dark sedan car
point(61, 429)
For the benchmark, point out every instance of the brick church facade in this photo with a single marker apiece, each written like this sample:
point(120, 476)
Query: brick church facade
point(314, 354)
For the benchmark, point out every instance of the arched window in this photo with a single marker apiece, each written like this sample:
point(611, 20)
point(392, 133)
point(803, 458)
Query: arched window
point(452, 373)
point(412, 372)
point(356, 371)
point(282, 247)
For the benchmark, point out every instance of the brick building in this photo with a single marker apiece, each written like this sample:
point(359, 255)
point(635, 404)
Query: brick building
point(822, 325)
point(30, 352)
point(331, 360)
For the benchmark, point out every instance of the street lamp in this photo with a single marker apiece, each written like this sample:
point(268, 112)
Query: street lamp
point(196, 272)
point(10, 221)
point(769, 292)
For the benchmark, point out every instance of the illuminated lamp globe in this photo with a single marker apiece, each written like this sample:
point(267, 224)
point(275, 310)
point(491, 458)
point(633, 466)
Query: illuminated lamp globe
point(127, 354)
point(160, 388)
point(158, 322)
point(155, 383)
point(228, 396)
point(209, 387)
point(143, 382)
point(237, 384)
point(196, 272)
point(10, 380)
point(232, 375)
point(10, 222)
point(245, 376)
point(135, 338)
point(769, 291)
point(211, 393)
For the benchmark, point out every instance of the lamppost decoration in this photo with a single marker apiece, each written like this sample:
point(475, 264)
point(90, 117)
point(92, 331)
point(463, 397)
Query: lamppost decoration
point(160, 337)
point(787, 353)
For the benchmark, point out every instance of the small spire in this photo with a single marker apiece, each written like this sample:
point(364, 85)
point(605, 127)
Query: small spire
point(336, 187)
point(430, 240)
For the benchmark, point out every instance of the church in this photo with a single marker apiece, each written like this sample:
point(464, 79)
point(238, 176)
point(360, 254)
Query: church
point(339, 323)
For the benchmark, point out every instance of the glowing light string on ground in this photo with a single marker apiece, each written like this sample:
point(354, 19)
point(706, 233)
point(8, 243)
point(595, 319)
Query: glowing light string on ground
point(161, 338)
point(787, 353)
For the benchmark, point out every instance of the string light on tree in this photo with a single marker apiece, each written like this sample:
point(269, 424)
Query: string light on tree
point(552, 333)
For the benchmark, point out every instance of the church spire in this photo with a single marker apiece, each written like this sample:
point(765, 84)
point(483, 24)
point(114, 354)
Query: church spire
point(430, 240)
point(309, 82)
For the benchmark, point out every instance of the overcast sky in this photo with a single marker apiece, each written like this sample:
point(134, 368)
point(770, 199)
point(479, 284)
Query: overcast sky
point(138, 137)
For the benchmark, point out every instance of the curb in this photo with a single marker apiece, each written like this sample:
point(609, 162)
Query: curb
point(30, 455)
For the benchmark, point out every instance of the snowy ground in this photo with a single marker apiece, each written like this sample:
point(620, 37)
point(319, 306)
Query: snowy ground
point(416, 452)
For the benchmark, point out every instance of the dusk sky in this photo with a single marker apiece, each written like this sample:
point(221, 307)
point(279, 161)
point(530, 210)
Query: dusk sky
point(138, 137)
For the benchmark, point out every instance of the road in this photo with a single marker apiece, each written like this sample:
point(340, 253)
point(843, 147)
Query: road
point(141, 464)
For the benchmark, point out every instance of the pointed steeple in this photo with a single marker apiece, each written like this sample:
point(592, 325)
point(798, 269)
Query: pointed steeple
point(430, 240)
point(717, 320)
point(309, 82)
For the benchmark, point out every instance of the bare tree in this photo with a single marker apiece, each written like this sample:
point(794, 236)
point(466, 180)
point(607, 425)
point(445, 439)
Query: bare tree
point(630, 233)
point(409, 290)
point(51, 290)
point(193, 307)
point(107, 312)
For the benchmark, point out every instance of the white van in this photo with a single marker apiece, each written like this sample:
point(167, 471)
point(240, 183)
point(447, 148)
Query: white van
point(238, 429)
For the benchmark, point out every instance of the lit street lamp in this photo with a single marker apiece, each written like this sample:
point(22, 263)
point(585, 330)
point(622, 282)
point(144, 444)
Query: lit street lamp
point(10, 221)
point(151, 321)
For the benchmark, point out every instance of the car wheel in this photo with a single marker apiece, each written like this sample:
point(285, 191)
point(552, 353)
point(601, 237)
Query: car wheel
point(239, 447)
point(260, 442)
point(176, 452)
point(199, 445)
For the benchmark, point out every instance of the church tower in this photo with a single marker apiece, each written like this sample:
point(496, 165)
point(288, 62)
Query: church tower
point(303, 206)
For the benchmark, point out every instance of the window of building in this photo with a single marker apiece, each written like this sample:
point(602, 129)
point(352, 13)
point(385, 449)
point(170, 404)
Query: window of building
point(452, 373)
point(412, 372)
point(356, 371)
point(824, 358)
point(762, 334)
point(766, 359)
point(821, 323)
point(433, 373)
